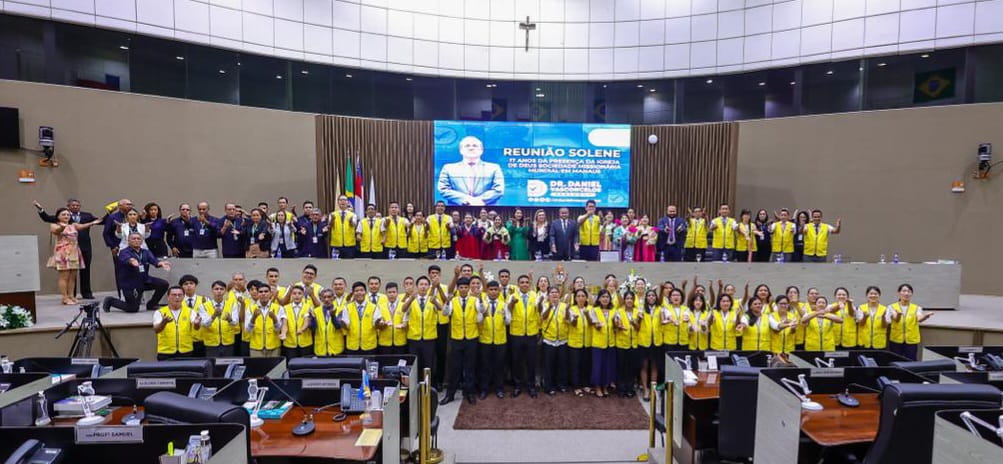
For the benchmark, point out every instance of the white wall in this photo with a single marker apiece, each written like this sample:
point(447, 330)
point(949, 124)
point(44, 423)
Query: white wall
point(574, 40)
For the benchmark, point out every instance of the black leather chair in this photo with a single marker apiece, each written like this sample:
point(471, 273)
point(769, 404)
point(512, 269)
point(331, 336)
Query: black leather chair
point(928, 369)
point(174, 408)
point(189, 368)
point(325, 368)
point(905, 430)
point(736, 431)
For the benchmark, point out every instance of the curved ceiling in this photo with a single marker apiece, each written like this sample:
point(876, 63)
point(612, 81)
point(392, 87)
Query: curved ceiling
point(572, 39)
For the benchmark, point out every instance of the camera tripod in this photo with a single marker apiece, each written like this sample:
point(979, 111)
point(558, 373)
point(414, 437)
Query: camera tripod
point(87, 331)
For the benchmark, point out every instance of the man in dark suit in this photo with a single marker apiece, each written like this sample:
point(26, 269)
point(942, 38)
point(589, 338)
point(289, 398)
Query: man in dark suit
point(83, 239)
point(671, 235)
point(134, 277)
point(563, 234)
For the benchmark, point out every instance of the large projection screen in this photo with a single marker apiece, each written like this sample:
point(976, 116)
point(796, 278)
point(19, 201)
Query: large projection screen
point(532, 164)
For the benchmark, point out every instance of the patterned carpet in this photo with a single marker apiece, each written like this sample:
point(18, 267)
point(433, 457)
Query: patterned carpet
point(563, 411)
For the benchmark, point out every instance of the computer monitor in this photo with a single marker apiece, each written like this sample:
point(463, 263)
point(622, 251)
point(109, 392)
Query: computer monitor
point(192, 368)
point(328, 368)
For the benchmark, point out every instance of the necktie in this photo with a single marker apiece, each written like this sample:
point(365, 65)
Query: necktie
point(342, 216)
point(672, 231)
point(463, 306)
point(421, 303)
point(564, 225)
point(525, 302)
point(76, 218)
point(191, 302)
point(494, 303)
point(373, 298)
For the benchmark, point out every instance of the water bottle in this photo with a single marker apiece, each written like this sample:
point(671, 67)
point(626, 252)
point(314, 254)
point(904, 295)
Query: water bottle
point(539, 255)
point(780, 258)
point(724, 256)
point(881, 260)
point(334, 253)
point(838, 259)
point(661, 256)
point(252, 390)
point(392, 254)
point(895, 258)
point(628, 254)
point(205, 447)
point(278, 252)
point(699, 257)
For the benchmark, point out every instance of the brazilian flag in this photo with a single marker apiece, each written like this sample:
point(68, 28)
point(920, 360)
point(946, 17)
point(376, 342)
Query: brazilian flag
point(934, 85)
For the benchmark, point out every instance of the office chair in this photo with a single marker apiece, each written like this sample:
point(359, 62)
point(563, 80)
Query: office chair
point(736, 432)
point(927, 369)
point(905, 430)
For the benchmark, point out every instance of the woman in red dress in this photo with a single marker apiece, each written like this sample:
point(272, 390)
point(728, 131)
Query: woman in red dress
point(647, 238)
point(497, 238)
point(468, 239)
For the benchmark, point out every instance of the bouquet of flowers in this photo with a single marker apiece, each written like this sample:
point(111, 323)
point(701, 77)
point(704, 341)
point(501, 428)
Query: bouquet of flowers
point(14, 317)
point(630, 283)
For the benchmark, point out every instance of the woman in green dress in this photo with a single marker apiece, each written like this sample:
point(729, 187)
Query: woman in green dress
point(518, 230)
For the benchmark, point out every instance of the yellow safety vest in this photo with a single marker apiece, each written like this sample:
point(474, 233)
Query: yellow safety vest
point(418, 239)
point(392, 336)
point(264, 334)
point(820, 335)
point(741, 244)
point(605, 336)
point(177, 335)
point(679, 333)
point(295, 323)
point(555, 326)
point(816, 243)
point(650, 332)
point(696, 235)
point(846, 336)
point(783, 237)
point(758, 336)
point(626, 338)
point(439, 235)
point(330, 340)
point(723, 335)
point(219, 332)
point(372, 235)
point(199, 301)
point(873, 332)
point(588, 232)
point(723, 235)
point(396, 232)
point(342, 232)
point(493, 331)
point(783, 340)
point(906, 329)
point(361, 332)
point(800, 309)
point(578, 331)
point(463, 318)
point(422, 321)
point(525, 317)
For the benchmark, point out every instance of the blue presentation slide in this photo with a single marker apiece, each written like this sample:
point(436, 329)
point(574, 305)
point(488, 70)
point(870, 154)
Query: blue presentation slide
point(532, 164)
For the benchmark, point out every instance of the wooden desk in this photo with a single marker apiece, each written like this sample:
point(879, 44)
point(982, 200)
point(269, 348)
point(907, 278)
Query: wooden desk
point(838, 425)
point(708, 387)
point(330, 440)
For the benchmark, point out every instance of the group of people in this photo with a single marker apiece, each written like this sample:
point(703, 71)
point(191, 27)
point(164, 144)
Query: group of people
point(599, 339)
point(410, 233)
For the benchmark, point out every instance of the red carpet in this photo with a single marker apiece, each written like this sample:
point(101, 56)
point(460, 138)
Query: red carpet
point(563, 411)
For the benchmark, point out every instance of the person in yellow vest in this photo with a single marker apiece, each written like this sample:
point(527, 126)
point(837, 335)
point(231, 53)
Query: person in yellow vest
point(297, 331)
point(626, 320)
point(783, 323)
point(220, 322)
point(846, 333)
point(523, 330)
point(283, 205)
point(816, 237)
point(904, 317)
point(746, 237)
point(755, 328)
point(342, 224)
point(370, 234)
point(396, 227)
point(493, 339)
point(240, 291)
point(440, 232)
point(782, 235)
point(589, 225)
point(761, 293)
point(723, 230)
point(676, 318)
point(174, 326)
point(820, 330)
point(280, 293)
point(700, 323)
point(434, 273)
point(724, 324)
point(579, 340)
point(311, 289)
point(464, 325)
point(192, 302)
point(507, 289)
point(554, 326)
point(329, 338)
point(421, 320)
point(872, 331)
point(393, 338)
point(799, 308)
point(603, 344)
point(649, 341)
point(362, 320)
point(695, 245)
point(417, 236)
point(263, 319)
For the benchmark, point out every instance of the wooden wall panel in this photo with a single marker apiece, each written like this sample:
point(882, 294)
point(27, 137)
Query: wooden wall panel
point(690, 165)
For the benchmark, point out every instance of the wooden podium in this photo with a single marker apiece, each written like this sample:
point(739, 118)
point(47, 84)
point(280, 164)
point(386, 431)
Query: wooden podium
point(19, 271)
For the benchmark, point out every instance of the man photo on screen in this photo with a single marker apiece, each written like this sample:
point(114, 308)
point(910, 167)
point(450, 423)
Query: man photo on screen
point(471, 182)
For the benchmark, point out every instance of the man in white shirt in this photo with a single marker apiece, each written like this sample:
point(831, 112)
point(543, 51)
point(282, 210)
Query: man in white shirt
point(471, 182)
point(267, 308)
point(175, 295)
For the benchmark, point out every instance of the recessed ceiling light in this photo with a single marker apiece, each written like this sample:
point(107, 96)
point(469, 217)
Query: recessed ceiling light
point(348, 76)
point(604, 86)
point(651, 90)
point(180, 58)
point(710, 81)
point(537, 89)
point(123, 47)
point(762, 84)
point(408, 79)
point(830, 72)
point(860, 68)
point(882, 64)
point(222, 71)
point(925, 55)
point(540, 95)
point(304, 72)
point(238, 63)
point(793, 82)
point(278, 76)
point(640, 86)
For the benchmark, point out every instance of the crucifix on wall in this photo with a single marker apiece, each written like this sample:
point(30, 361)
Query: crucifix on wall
point(527, 26)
